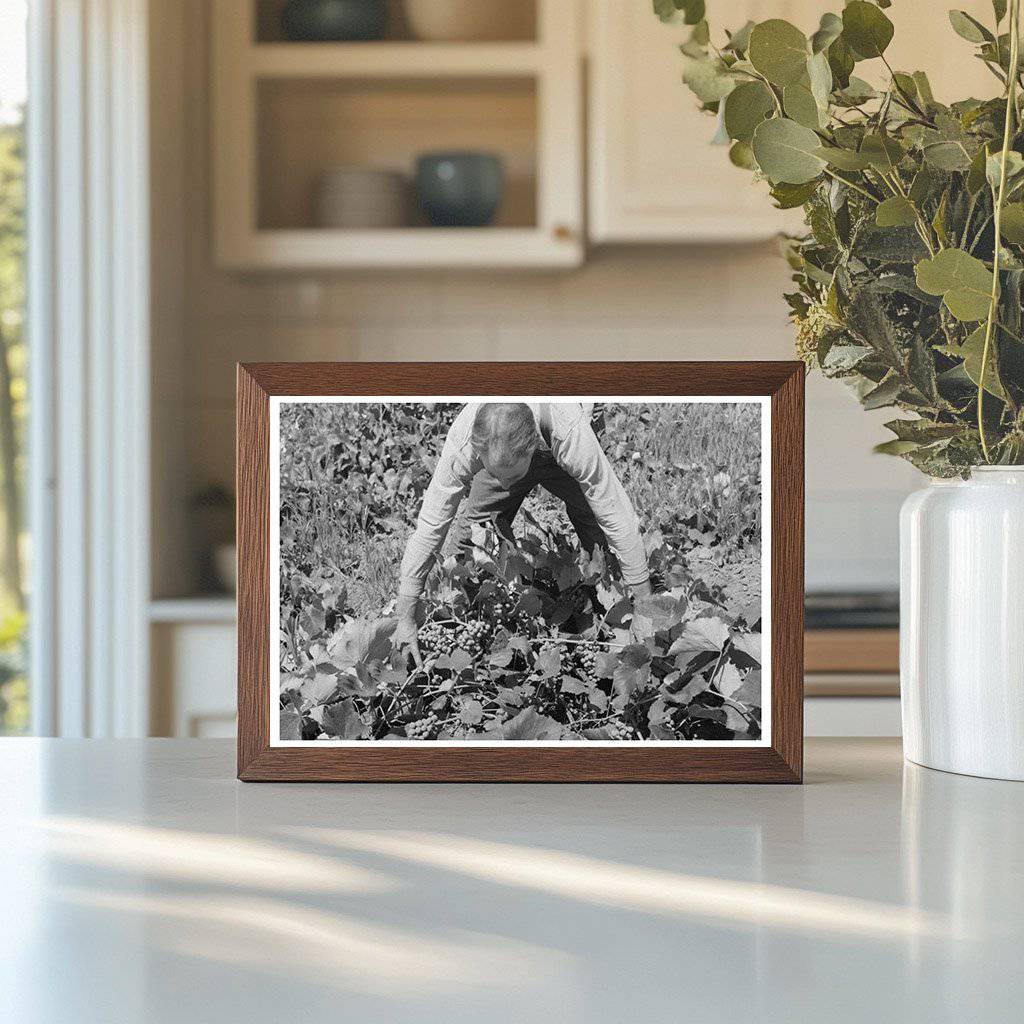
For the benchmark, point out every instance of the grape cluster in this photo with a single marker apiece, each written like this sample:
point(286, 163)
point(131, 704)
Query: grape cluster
point(582, 662)
point(473, 636)
point(620, 731)
point(504, 610)
point(444, 638)
point(421, 728)
point(437, 638)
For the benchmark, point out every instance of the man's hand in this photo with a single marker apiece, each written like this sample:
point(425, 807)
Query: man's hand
point(407, 630)
point(641, 627)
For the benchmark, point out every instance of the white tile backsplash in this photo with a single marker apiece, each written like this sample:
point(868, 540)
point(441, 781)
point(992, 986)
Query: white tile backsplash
point(853, 539)
point(715, 303)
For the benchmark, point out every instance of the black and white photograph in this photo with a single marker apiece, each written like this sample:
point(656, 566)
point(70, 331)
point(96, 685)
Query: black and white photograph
point(502, 571)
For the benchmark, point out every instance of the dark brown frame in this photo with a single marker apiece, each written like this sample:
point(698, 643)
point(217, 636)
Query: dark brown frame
point(780, 762)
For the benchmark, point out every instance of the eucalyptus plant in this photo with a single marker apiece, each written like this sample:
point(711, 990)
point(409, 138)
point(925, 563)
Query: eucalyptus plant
point(910, 278)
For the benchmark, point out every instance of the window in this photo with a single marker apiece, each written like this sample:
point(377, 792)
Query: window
point(14, 691)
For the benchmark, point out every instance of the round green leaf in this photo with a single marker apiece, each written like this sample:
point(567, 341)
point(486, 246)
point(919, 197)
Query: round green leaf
point(844, 159)
point(883, 152)
point(690, 12)
point(866, 29)
point(788, 197)
point(1012, 225)
point(895, 212)
point(840, 62)
point(819, 75)
point(858, 91)
point(745, 108)
point(829, 30)
point(740, 39)
point(968, 28)
point(947, 156)
point(707, 79)
point(787, 151)
point(741, 155)
point(801, 106)
point(972, 351)
point(779, 51)
point(963, 281)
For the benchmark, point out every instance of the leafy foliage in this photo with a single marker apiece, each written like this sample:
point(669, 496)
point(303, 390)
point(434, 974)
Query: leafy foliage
point(536, 640)
point(13, 415)
point(902, 290)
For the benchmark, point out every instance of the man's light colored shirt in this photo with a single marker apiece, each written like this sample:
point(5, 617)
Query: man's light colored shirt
point(574, 447)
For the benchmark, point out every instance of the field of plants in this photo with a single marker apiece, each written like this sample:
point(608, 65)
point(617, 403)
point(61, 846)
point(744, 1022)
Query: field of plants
point(532, 641)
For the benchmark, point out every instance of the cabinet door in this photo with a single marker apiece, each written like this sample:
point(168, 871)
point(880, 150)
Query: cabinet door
point(654, 176)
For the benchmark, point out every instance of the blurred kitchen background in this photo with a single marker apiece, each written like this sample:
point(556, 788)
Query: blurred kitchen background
point(292, 218)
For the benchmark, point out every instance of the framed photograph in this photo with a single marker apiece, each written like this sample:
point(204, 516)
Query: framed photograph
point(564, 572)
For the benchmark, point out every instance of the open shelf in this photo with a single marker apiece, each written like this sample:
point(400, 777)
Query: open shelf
point(308, 127)
point(520, 22)
point(287, 114)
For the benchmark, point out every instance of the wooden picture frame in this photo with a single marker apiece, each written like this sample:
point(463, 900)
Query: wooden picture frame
point(778, 758)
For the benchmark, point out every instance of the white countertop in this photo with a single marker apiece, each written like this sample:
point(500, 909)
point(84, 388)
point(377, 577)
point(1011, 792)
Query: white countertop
point(140, 882)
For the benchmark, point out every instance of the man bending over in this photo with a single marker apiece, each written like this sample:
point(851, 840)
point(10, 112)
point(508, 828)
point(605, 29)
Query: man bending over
point(500, 451)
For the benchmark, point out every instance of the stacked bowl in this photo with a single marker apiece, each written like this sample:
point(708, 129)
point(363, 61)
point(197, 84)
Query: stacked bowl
point(362, 197)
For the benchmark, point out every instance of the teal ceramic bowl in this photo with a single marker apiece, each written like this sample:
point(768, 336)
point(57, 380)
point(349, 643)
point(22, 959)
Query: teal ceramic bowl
point(461, 190)
point(334, 21)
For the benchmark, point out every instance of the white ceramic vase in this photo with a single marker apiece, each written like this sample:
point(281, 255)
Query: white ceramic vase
point(962, 624)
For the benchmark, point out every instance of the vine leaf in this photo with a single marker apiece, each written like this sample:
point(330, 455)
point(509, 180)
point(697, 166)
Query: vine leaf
point(291, 725)
point(529, 724)
point(699, 637)
point(342, 720)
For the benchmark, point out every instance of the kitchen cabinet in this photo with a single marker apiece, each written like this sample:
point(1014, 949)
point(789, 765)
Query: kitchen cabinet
point(288, 114)
point(654, 177)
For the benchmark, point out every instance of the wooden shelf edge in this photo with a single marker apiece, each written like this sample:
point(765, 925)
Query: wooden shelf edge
point(392, 60)
point(207, 609)
point(852, 650)
point(316, 248)
point(851, 684)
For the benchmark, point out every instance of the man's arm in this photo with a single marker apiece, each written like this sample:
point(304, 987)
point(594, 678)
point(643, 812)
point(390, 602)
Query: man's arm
point(448, 484)
point(580, 454)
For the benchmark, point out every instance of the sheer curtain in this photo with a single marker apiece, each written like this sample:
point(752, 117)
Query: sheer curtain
point(88, 335)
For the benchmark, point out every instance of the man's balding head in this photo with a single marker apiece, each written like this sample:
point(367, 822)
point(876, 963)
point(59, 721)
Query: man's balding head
point(505, 437)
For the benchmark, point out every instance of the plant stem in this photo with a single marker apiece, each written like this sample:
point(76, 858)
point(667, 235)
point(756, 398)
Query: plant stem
point(1011, 108)
point(907, 99)
point(852, 184)
point(775, 98)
